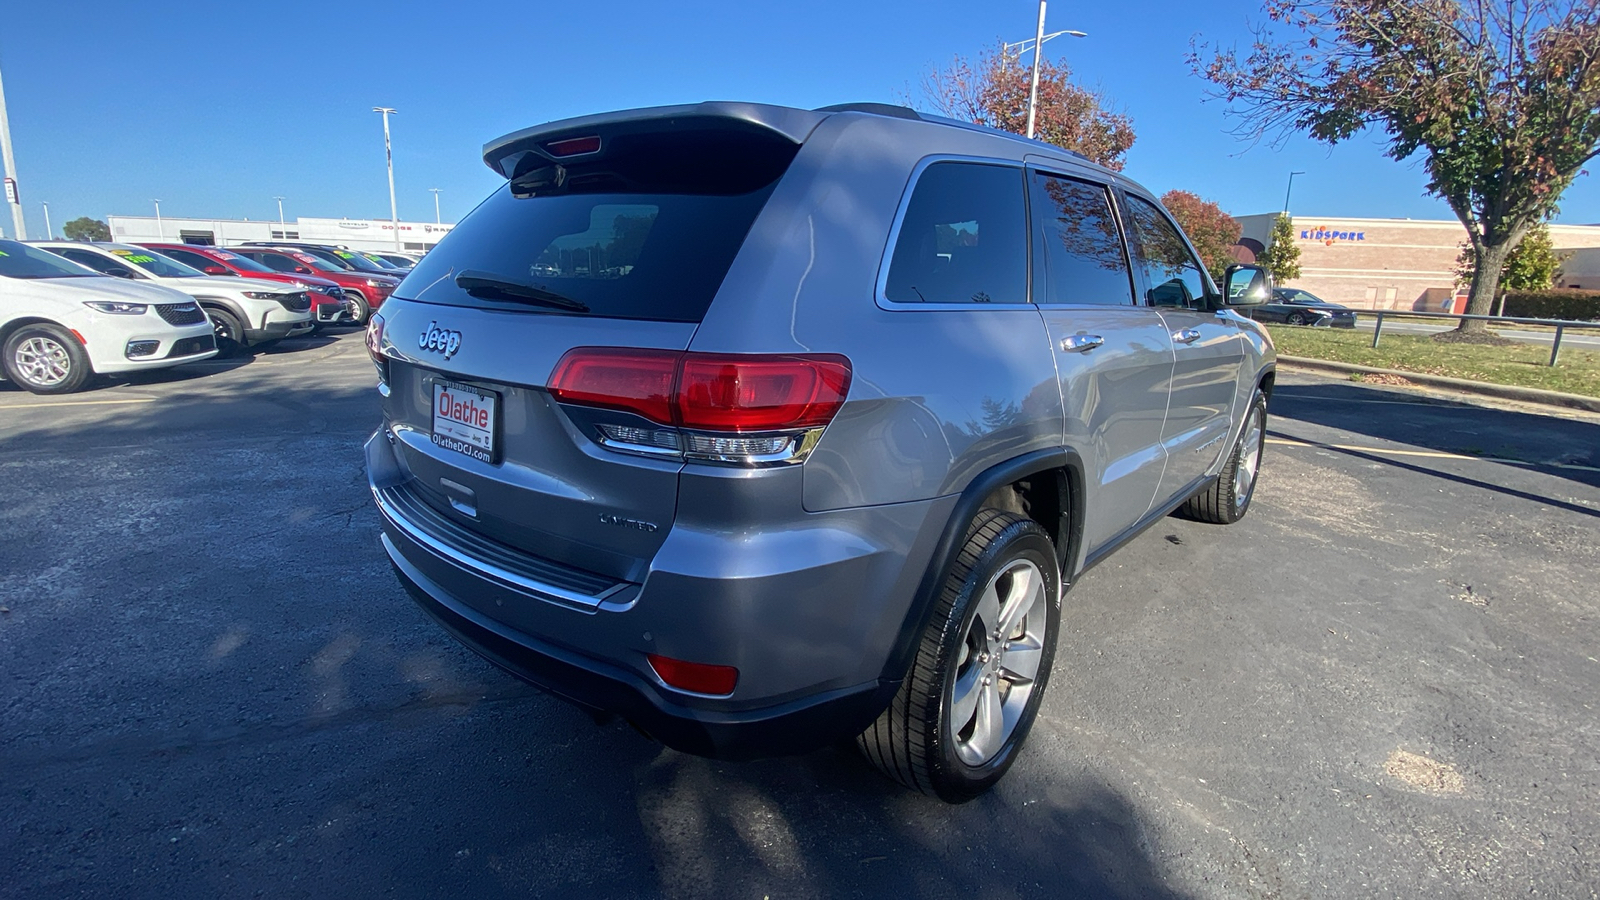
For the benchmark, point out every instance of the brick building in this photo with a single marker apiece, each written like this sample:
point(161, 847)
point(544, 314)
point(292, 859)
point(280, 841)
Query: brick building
point(1401, 263)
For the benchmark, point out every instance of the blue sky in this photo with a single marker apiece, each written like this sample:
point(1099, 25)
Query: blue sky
point(216, 108)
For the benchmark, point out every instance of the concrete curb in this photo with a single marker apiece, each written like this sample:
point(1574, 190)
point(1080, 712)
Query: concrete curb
point(1501, 391)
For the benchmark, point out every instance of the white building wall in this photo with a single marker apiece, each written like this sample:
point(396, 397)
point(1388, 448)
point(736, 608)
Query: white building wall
point(357, 234)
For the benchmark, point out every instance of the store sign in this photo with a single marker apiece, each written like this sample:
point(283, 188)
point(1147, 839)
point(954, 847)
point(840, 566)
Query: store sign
point(1329, 236)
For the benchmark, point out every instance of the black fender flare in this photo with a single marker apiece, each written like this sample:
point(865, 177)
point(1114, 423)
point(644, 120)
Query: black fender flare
point(231, 308)
point(1068, 535)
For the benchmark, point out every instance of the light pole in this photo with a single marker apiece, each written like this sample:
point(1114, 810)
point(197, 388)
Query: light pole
point(1038, 48)
point(435, 192)
point(49, 233)
point(160, 231)
point(283, 230)
point(11, 170)
point(388, 155)
point(1289, 191)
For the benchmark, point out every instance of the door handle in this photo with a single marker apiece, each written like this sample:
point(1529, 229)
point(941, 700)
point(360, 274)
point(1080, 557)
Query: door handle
point(1186, 336)
point(1082, 343)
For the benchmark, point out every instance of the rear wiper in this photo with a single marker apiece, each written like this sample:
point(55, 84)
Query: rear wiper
point(491, 286)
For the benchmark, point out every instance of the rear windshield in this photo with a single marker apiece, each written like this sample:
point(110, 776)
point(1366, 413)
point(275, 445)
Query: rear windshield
point(648, 231)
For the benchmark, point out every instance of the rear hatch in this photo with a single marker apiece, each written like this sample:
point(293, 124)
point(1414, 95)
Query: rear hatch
point(610, 232)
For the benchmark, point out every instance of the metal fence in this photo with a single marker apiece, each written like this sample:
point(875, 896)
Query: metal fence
point(1560, 325)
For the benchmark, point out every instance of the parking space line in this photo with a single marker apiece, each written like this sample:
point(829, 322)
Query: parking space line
point(1431, 454)
point(77, 403)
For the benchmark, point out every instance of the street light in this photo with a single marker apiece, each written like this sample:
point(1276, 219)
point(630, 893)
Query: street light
point(435, 192)
point(1016, 49)
point(160, 231)
point(1038, 48)
point(388, 155)
point(11, 171)
point(283, 230)
point(1289, 191)
point(49, 233)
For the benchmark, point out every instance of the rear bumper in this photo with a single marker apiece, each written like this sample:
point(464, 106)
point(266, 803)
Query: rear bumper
point(799, 726)
point(810, 616)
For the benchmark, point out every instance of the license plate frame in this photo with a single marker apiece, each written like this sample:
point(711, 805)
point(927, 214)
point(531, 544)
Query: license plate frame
point(462, 433)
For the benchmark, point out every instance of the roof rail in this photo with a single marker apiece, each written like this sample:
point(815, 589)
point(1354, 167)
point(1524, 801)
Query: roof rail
point(877, 109)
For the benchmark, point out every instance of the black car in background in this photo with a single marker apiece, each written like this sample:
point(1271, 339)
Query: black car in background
point(1293, 306)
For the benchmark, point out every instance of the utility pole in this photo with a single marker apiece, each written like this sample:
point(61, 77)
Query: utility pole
point(162, 232)
point(13, 192)
point(1038, 50)
point(388, 155)
point(435, 192)
point(49, 233)
point(1290, 190)
point(282, 229)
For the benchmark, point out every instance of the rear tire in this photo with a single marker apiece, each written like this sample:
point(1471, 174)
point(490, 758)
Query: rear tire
point(963, 711)
point(229, 332)
point(46, 359)
point(1228, 499)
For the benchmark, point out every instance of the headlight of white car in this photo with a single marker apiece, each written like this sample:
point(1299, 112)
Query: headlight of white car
point(263, 295)
point(117, 308)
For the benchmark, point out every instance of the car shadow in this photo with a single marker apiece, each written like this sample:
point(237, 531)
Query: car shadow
point(1565, 447)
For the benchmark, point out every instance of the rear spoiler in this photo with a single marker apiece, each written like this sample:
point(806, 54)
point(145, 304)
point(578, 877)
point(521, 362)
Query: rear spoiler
point(573, 137)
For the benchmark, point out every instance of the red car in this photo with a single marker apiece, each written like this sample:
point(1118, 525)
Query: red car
point(364, 292)
point(328, 297)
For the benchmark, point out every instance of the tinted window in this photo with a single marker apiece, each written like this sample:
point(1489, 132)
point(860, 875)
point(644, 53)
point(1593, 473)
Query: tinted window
point(623, 255)
point(1172, 275)
point(963, 238)
point(155, 264)
point(275, 261)
point(1080, 257)
point(188, 258)
point(21, 261)
point(100, 263)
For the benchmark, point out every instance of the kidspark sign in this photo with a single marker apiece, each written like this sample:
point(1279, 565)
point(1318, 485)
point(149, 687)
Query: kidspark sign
point(1328, 236)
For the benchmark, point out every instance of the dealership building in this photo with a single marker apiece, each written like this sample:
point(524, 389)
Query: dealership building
point(1400, 263)
point(357, 234)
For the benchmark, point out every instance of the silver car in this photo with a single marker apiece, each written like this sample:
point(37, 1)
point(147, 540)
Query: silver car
point(768, 427)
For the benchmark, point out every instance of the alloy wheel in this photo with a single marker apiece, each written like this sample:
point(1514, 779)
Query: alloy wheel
point(43, 361)
point(999, 662)
point(1244, 474)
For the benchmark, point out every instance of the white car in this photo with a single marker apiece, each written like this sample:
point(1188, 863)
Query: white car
point(244, 311)
point(61, 323)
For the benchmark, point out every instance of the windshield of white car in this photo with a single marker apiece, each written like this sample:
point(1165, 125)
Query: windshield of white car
point(156, 264)
point(21, 261)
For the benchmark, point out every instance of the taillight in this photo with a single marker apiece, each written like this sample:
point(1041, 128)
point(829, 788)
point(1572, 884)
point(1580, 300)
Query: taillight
point(375, 347)
point(750, 409)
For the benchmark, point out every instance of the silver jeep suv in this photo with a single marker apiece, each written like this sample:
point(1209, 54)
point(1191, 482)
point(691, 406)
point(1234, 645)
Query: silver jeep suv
point(770, 427)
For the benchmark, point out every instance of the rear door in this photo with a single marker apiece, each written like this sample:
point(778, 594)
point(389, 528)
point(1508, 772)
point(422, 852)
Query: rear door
point(1113, 356)
point(1208, 346)
point(625, 250)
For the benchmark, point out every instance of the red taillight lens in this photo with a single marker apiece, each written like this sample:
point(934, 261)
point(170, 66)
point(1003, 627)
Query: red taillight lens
point(701, 678)
point(706, 391)
point(638, 381)
point(760, 393)
point(375, 338)
point(574, 146)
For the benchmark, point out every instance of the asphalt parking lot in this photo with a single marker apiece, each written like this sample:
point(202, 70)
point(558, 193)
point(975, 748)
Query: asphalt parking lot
point(1381, 683)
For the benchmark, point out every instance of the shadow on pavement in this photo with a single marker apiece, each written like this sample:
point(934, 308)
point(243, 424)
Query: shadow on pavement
point(1546, 443)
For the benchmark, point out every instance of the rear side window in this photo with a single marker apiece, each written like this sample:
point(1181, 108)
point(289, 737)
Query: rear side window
point(646, 229)
point(1080, 254)
point(963, 238)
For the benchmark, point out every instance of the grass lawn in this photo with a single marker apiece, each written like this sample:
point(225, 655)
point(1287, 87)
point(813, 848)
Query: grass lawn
point(1522, 365)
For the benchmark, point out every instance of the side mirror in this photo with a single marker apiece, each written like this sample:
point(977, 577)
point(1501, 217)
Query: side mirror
point(121, 273)
point(216, 270)
point(1246, 285)
point(302, 270)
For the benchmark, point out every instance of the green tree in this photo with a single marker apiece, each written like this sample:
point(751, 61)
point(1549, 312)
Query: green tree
point(993, 90)
point(1502, 99)
point(1282, 256)
point(1532, 266)
point(1212, 231)
point(84, 228)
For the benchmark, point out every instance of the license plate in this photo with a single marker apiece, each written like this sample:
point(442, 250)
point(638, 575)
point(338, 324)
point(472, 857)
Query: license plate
point(465, 420)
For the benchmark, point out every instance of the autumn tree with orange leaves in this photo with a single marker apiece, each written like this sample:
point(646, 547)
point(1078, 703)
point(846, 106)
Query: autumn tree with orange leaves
point(1502, 99)
point(993, 90)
